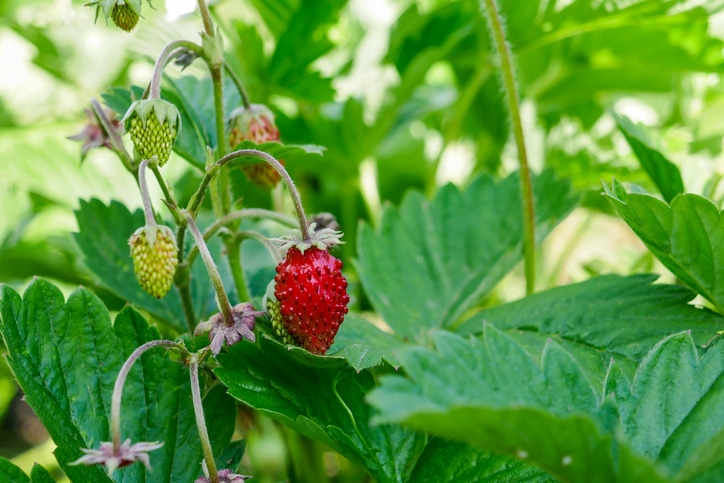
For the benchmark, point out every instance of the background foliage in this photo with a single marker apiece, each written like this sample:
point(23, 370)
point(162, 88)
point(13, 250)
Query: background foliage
point(420, 172)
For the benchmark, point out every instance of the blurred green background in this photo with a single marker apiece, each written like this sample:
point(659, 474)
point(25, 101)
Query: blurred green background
point(403, 94)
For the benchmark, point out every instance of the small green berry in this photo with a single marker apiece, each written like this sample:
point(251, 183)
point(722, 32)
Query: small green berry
point(153, 125)
point(155, 256)
point(124, 16)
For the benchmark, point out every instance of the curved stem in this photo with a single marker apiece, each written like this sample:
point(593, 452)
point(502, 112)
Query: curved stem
point(121, 381)
point(239, 86)
point(143, 185)
point(270, 245)
point(238, 215)
point(200, 420)
point(164, 58)
point(270, 160)
point(221, 298)
point(506, 69)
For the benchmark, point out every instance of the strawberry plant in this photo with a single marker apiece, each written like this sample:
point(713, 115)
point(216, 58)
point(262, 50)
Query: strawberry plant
point(307, 284)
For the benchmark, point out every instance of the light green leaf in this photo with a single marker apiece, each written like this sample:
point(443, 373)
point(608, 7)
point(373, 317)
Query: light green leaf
point(363, 345)
point(430, 261)
point(663, 173)
point(66, 356)
point(621, 315)
point(490, 393)
point(685, 236)
point(672, 412)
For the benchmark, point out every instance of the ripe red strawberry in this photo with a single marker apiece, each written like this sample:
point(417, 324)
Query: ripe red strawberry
point(255, 123)
point(311, 292)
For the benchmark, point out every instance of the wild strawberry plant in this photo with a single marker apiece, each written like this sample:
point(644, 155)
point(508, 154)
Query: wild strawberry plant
point(384, 341)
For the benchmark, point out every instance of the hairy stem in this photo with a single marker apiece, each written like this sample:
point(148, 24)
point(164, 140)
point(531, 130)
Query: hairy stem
point(239, 86)
point(200, 420)
point(508, 77)
point(145, 196)
point(168, 52)
point(270, 160)
point(221, 298)
point(121, 381)
point(238, 215)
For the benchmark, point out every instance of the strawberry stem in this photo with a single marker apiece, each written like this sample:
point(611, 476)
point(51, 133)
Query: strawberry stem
point(200, 420)
point(508, 78)
point(238, 215)
point(239, 86)
point(167, 54)
point(221, 298)
point(271, 161)
point(121, 381)
point(145, 196)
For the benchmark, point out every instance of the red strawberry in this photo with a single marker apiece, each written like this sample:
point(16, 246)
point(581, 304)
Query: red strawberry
point(255, 123)
point(312, 292)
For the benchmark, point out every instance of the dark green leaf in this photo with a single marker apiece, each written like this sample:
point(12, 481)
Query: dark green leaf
point(12, 472)
point(663, 173)
point(451, 251)
point(492, 394)
point(66, 357)
point(621, 315)
point(321, 398)
point(685, 236)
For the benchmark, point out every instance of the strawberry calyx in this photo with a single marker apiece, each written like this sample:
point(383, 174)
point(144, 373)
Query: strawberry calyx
point(323, 239)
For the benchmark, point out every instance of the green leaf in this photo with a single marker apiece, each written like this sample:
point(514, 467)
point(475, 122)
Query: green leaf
point(40, 475)
point(12, 472)
point(671, 411)
point(66, 356)
point(363, 345)
point(446, 460)
point(684, 236)
point(450, 251)
point(321, 398)
point(492, 394)
point(663, 173)
point(621, 315)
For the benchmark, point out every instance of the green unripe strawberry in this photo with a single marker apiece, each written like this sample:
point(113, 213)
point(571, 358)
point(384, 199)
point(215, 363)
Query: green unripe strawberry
point(155, 256)
point(272, 309)
point(153, 125)
point(124, 16)
point(124, 13)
